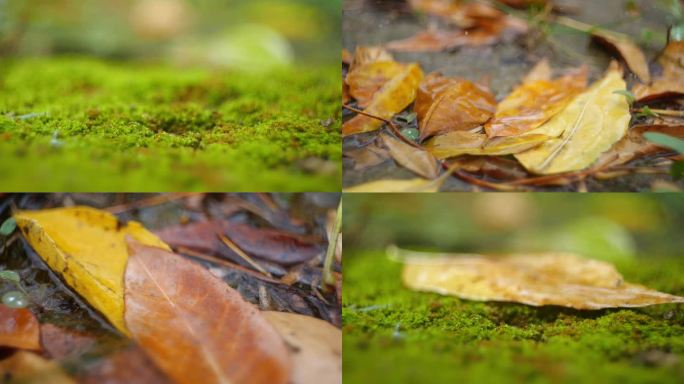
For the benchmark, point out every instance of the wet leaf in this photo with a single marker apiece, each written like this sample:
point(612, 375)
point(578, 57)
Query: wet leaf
point(315, 344)
point(86, 247)
point(19, 328)
point(589, 126)
point(447, 104)
point(628, 50)
point(415, 159)
point(265, 243)
point(30, 368)
point(395, 95)
point(472, 143)
point(535, 101)
point(195, 327)
point(367, 79)
point(635, 145)
point(534, 279)
point(671, 82)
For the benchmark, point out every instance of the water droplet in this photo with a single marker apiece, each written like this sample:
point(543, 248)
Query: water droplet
point(15, 299)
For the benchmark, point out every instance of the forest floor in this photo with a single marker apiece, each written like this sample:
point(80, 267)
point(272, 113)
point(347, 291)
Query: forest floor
point(393, 334)
point(70, 123)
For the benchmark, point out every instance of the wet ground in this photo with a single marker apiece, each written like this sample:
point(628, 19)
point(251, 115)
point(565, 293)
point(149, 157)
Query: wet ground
point(501, 66)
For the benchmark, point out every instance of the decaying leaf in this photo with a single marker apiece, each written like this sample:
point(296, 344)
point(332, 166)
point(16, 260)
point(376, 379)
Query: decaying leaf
point(671, 82)
point(634, 145)
point(534, 279)
point(19, 328)
point(367, 156)
point(447, 104)
point(265, 243)
point(589, 126)
point(195, 327)
point(315, 345)
point(30, 368)
point(630, 52)
point(395, 95)
point(535, 101)
point(417, 160)
point(473, 143)
point(86, 247)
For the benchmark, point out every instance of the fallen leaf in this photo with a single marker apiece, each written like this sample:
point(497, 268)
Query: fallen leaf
point(195, 327)
point(498, 167)
point(347, 57)
point(460, 13)
point(446, 104)
point(368, 54)
point(59, 342)
point(395, 95)
point(265, 243)
point(628, 50)
point(536, 101)
point(634, 145)
point(534, 279)
point(19, 328)
point(316, 347)
point(367, 156)
point(671, 82)
point(472, 143)
point(366, 80)
point(29, 368)
point(86, 247)
point(589, 126)
point(415, 159)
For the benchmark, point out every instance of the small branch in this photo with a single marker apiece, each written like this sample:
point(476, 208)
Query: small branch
point(149, 201)
point(216, 260)
point(390, 123)
point(663, 112)
point(328, 278)
point(230, 244)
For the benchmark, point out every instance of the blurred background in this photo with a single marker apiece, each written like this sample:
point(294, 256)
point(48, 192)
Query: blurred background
point(241, 34)
point(612, 227)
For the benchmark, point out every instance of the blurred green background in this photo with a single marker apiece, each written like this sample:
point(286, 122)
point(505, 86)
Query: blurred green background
point(242, 34)
point(608, 226)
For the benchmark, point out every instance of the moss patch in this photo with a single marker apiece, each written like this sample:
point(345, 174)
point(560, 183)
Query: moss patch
point(392, 334)
point(82, 124)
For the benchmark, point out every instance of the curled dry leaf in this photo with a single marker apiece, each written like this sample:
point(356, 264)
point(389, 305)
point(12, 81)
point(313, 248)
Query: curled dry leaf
point(497, 167)
point(368, 54)
point(395, 95)
point(445, 104)
point(589, 126)
point(415, 159)
point(282, 247)
point(30, 368)
point(86, 247)
point(19, 328)
point(473, 143)
point(634, 145)
point(462, 14)
point(630, 52)
point(316, 347)
point(195, 327)
point(535, 101)
point(671, 82)
point(534, 279)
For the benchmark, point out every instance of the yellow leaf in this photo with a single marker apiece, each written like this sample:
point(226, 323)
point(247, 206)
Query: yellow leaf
point(471, 143)
point(394, 96)
point(86, 247)
point(364, 81)
point(411, 185)
point(533, 279)
point(587, 127)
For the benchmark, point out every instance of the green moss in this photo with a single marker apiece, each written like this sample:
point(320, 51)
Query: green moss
point(151, 127)
point(392, 334)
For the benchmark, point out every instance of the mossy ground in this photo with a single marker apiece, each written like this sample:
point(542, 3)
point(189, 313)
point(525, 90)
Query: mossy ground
point(392, 334)
point(124, 126)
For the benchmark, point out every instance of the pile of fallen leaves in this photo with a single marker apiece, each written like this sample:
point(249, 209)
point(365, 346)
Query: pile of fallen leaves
point(549, 131)
point(167, 293)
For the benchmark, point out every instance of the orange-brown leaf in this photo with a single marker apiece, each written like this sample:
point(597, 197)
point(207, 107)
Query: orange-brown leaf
point(630, 52)
point(19, 328)
point(414, 159)
point(195, 327)
point(535, 102)
point(367, 79)
point(446, 104)
point(671, 82)
point(397, 94)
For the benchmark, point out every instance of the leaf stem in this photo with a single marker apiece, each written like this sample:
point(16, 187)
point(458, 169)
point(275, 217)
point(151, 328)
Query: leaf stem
point(328, 278)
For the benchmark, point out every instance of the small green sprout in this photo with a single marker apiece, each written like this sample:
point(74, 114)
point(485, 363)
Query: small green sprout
point(646, 112)
point(627, 94)
point(8, 227)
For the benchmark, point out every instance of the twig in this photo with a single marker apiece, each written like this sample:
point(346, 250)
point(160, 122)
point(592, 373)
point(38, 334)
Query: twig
point(390, 123)
point(228, 242)
point(328, 278)
point(226, 263)
point(664, 112)
point(149, 201)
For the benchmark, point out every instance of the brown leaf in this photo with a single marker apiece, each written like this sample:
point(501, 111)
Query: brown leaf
point(61, 342)
point(473, 143)
point(671, 82)
point(417, 160)
point(368, 54)
point(628, 50)
point(30, 368)
point(446, 104)
point(533, 279)
point(195, 327)
point(367, 156)
point(315, 344)
point(494, 166)
point(19, 328)
point(535, 101)
point(634, 145)
point(269, 244)
point(462, 14)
